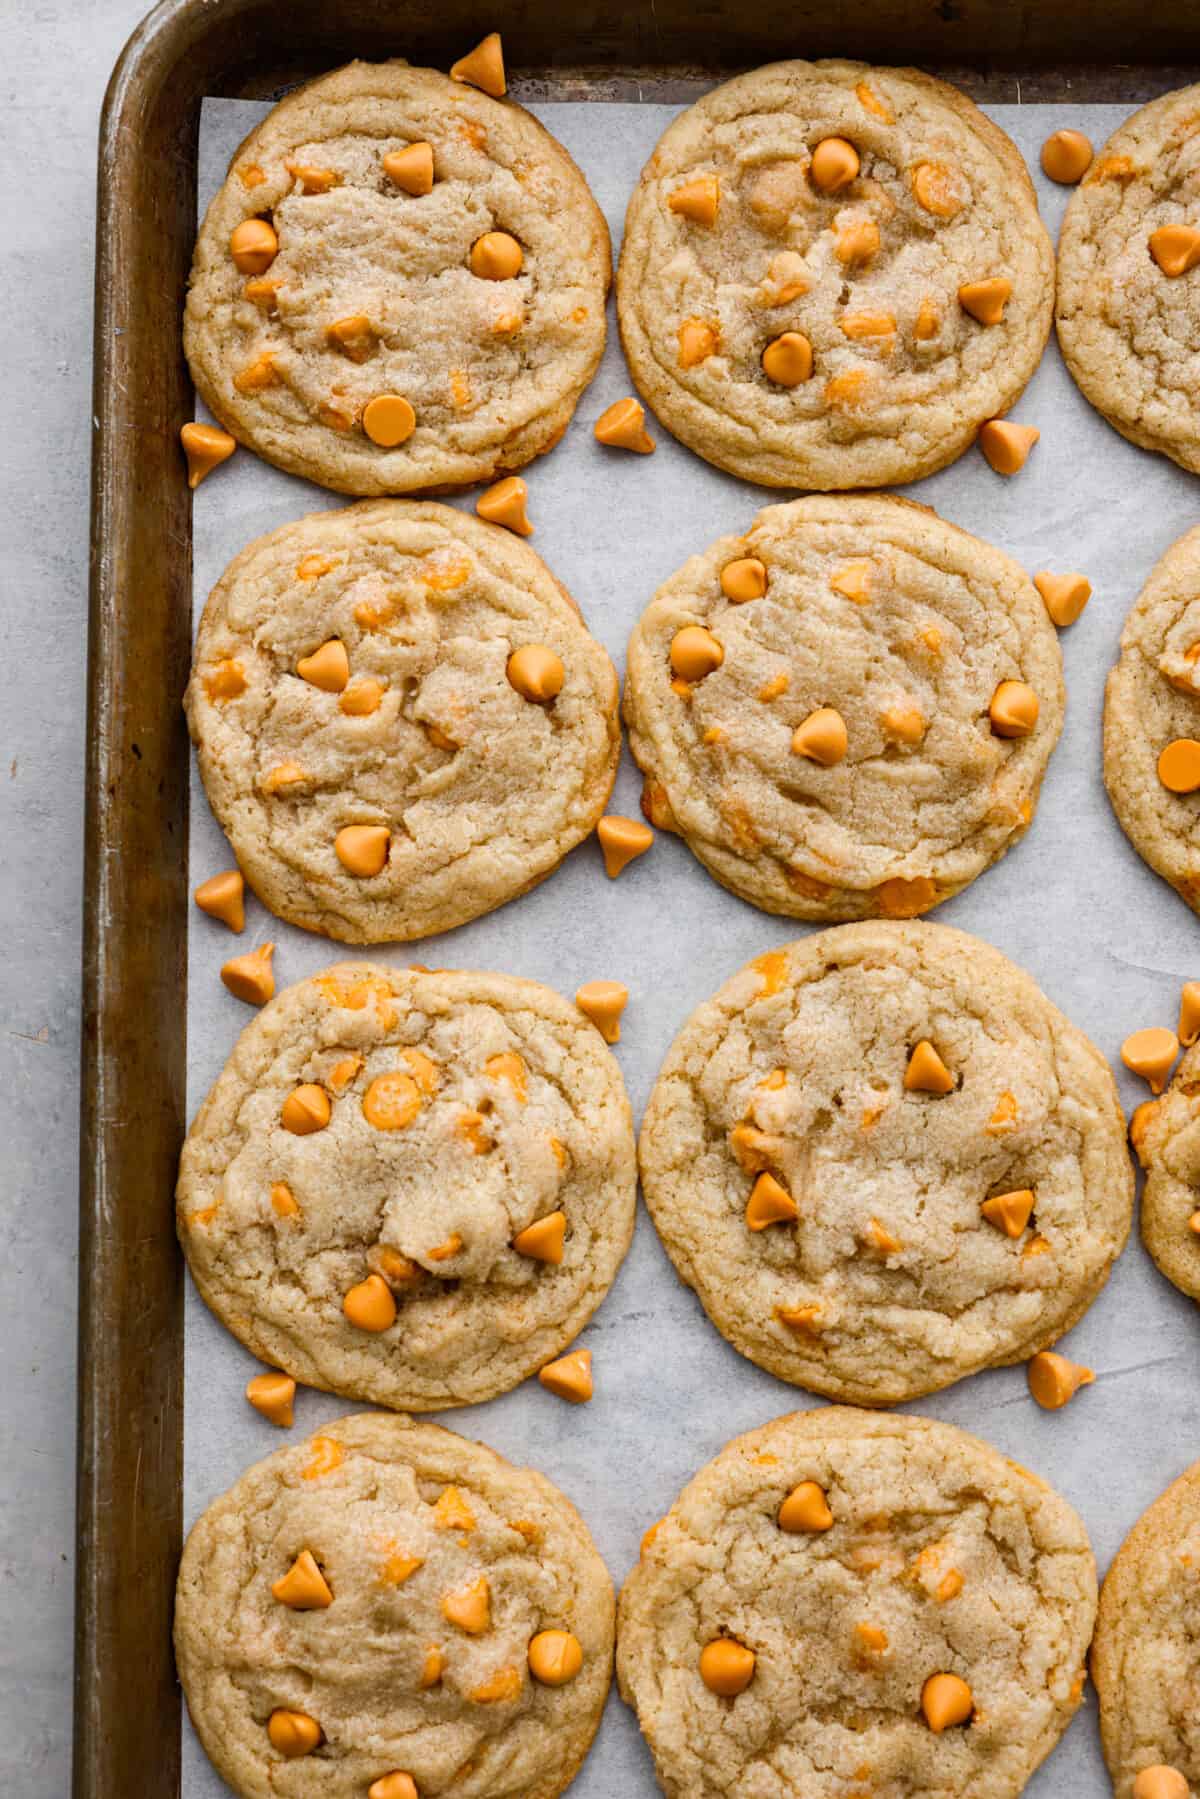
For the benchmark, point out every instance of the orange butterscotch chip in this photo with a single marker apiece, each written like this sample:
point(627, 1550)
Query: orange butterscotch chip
point(223, 896)
point(622, 840)
point(536, 673)
point(1009, 1212)
point(470, 1608)
point(698, 340)
point(293, 1734)
point(1175, 248)
point(1006, 446)
point(744, 579)
point(769, 1203)
point(369, 1306)
point(726, 1666)
point(623, 427)
point(934, 190)
point(835, 164)
point(504, 504)
point(570, 1377)
point(555, 1657)
point(603, 1002)
point(305, 1110)
point(226, 681)
point(1053, 1380)
point(946, 1700)
point(254, 246)
point(496, 256)
point(1065, 595)
point(986, 300)
point(249, 977)
point(205, 447)
point(1179, 766)
point(822, 737)
point(362, 850)
point(256, 375)
point(392, 1101)
point(303, 1588)
point(1013, 709)
point(451, 1511)
point(389, 420)
point(504, 1685)
point(1150, 1053)
point(543, 1239)
point(805, 1510)
point(788, 359)
point(1066, 157)
point(483, 67)
point(396, 1785)
point(1189, 1013)
point(695, 652)
point(926, 1072)
point(411, 168)
point(1160, 1782)
point(273, 1395)
point(697, 200)
point(362, 699)
point(327, 668)
point(857, 242)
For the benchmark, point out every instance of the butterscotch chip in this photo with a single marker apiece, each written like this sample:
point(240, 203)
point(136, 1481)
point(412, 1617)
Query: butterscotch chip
point(536, 673)
point(1053, 1380)
point(483, 67)
point(726, 1666)
point(1006, 446)
point(223, 896)
point(570, 1377)
point(249, 977)
point(1065, 595)
point(946, 1700)
point(505, 505)
point(1066, 156)
point(273, 1395)
point(1151, 1053)
point(697, 200)
point(623, 426)
point(205, 447)
point(411, 168)
point(604, 1002)
point(622, 840)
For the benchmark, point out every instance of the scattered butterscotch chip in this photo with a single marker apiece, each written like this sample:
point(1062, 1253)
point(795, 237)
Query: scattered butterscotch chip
point(504, 504)
point(396, 1785)
point(249, 977)
point(1175, 248)
point(362, 850)
point(622, 841)
point(1160, 1782)
point(695, 652)
point(1189, 1013)
point(1013, 709)
point(273, 1395)
point(788, 360)
point(1053, 1380)
point(1151, 1053)
point(1179, 766)
point(822, 737)
point(926, 1072)
point(253, 246)
point(570, 1377)
point(303, 1588)
point(483, 67)
point(305, 1110)
point(293, 1734)
point(391, 1102)
point(726, 1666)
point(543, 1239)
point(1006, 446)
point(744, 579)
point(1066, 157)
point(603, 1002)
point(536, 673)
point(806, 1509)
point(1009, 1212)
point(327, 668)
point(206, 447)
point(835, 164)
point(223, 896)
point(555, 1657)
point(986, 300)
point(496, 256)
point(411, 168)
point(362, 699)
point(697, 200)
point(369, 1306)
point(623, 427)
point(1065, 595)
point(946, 1700)
point(769, 1203)
point(389, 420)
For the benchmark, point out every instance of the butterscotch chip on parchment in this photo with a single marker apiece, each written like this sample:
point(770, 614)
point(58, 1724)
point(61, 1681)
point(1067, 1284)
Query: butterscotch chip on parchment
point(921, 1628)
point(795, 260)
point(888, 1081)
point(400, 286)
point(390, 1610)
point(402, 721)
point(361, 1193)
point(848, 710)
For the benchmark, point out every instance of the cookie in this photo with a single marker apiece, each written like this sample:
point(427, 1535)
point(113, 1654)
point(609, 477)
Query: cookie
point(1128, 307)
point(1152, 721)
point(408, 1187)
point(388, 1603)
point(832, 275)
point(1146, 1656)
point(400, 287)
point(1166, 1135)
point(401, 719)
point(848, 710)
point(884, 1161)
point(845, 1604)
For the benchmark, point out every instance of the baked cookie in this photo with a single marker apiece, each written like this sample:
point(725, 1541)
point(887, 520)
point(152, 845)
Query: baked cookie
point(1152, 721)
point(832, 275)
point(400, 286)
point(1128, 308)
point(410, 1188)
point(884, 1161)
point(1146, 1656)
point(829, 1600)
point(1166, 1135)
point(389, 1600)
point(847, 711)
point(401, 719)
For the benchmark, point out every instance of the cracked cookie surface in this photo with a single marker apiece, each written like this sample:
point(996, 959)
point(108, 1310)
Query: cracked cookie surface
point(906, 627)
point(414, 728)
point(736, 241)
point(372, 292)
point(1151, 701)
point(1146, 1659)
point(398, 1517)
point(1167, 1139)
point(877, 1277)
point(938, 1556)
point(1128, 327)
point(440, 1115)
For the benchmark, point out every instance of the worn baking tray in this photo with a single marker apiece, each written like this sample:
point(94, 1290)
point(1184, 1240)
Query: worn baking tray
point(127, 1705)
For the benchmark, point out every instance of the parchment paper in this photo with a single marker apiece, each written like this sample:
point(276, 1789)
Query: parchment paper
point(1107, 940)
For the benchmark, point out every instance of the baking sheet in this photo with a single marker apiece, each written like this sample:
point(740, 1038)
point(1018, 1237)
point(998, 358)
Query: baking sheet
point(1107, 940)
